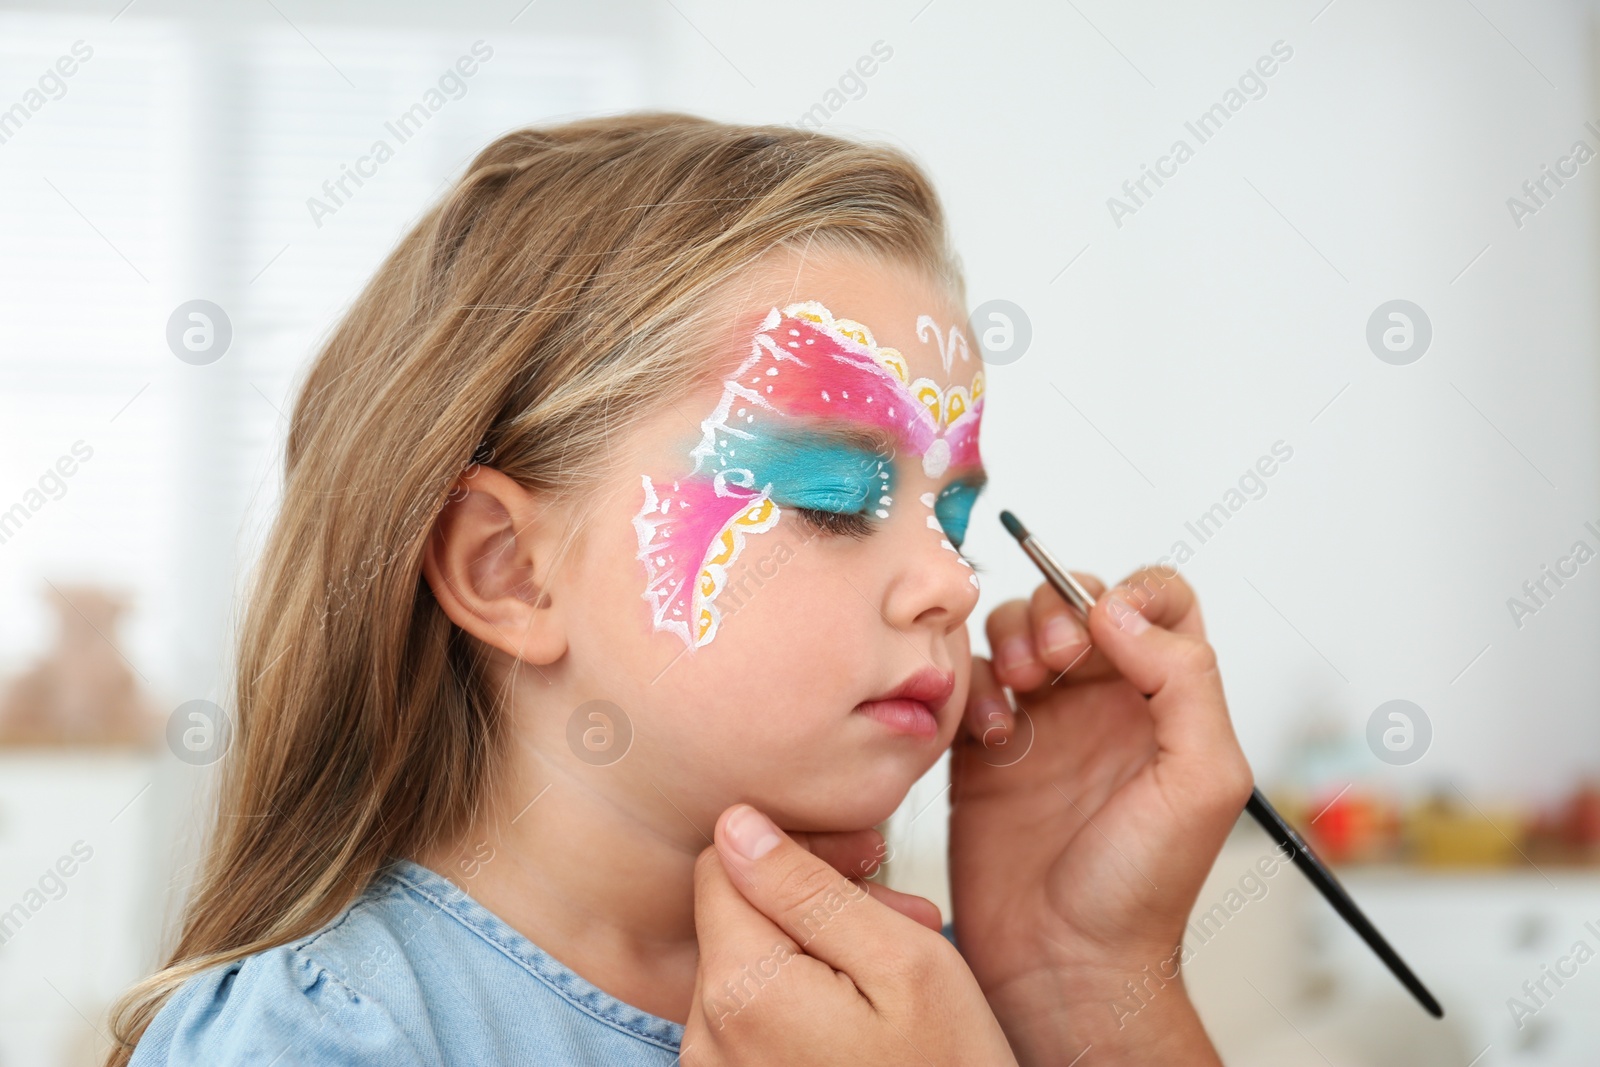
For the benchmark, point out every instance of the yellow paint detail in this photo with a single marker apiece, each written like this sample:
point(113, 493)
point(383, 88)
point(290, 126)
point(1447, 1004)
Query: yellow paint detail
point(955, 404)
point(895, 363)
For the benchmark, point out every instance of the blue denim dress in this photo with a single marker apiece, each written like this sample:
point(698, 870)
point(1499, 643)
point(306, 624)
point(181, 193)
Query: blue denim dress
point(413, 972)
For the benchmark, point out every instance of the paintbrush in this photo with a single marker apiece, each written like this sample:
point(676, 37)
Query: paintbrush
point(1263, 812)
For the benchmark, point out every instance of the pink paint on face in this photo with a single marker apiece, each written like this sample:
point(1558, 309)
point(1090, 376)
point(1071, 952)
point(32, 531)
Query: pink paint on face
point(830, 375)
point(803, 365)
point(835, 370)
point(695, 530)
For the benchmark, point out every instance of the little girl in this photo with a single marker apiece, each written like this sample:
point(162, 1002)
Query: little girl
point(617, 593)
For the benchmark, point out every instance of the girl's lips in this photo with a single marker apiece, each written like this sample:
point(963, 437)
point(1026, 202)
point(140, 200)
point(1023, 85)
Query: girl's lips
point(912, 707)
point(910, 717)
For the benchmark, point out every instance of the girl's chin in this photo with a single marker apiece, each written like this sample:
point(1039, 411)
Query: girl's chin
point(849, 786)
point(847, 809)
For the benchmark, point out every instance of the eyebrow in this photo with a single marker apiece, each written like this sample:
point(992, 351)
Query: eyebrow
point(881, 442)
point(866, 438)
point(977, 479)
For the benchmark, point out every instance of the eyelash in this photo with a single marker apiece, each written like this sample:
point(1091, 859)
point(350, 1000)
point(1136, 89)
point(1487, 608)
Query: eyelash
point(853, 524)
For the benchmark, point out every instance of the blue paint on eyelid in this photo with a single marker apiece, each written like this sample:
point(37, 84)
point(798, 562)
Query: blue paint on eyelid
point(815, 473)
point(953, 508)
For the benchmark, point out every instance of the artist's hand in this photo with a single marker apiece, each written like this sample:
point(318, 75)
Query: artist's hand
point(1080, 834)
point(800, 965)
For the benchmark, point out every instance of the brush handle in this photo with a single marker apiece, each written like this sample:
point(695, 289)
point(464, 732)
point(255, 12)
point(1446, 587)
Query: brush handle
point(1280, 831)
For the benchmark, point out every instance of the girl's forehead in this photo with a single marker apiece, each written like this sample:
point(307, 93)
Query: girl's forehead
point(901, 307)
point(922, 327)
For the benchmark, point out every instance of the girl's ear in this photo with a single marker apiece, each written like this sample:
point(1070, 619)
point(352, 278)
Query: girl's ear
point(489, 561)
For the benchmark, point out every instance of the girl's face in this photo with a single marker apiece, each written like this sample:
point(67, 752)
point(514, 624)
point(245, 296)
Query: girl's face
point(777, 554)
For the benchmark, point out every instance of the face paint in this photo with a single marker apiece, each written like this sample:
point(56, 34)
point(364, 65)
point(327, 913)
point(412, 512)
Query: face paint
point(768, 445)
point(810, 471)
point(953, 508)
point(931, 502)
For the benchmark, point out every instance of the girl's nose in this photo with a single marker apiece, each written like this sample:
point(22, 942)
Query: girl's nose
point(932, 584)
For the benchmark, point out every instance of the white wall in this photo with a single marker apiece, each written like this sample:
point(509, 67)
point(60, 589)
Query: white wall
point(1206, 327)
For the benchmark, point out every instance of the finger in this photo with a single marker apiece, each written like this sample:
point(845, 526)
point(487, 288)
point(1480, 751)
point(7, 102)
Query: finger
point(853, 853)
point(920, 909)
point(829, 917)
point(1085, 666)
point(858, 854)
point(1178, 672)
point(1018, 665)
point(731, 933)
point(1016, 662)
point(988, 719)
point(1165, 598)
point(1095, 587)
point(1059, 635)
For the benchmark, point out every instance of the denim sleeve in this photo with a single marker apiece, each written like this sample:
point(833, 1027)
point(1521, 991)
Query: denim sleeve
point(277, 1007)
point(949, 932)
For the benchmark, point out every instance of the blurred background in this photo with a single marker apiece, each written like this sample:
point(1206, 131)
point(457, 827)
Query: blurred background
point(1300, 297)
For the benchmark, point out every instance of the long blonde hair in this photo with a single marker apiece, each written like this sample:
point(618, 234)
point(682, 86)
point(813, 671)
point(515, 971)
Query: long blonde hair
point(537, 307)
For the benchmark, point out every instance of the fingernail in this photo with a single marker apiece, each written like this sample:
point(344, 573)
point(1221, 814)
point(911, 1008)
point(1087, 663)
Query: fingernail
point(1062, 632)
point(1129, 620)
point(995, 715)
point(1016, 653)
point(751, 833)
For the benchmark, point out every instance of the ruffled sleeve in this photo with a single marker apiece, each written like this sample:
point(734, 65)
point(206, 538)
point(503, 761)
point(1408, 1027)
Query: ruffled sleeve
point(279, 1007)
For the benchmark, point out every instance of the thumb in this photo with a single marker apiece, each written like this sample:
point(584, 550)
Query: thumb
point(830, 917)
point(740, 949)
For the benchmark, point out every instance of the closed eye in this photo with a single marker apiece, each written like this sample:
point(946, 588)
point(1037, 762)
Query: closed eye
point(850, 523)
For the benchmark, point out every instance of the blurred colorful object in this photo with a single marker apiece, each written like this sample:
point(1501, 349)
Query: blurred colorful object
point(1444, 831)
point(83, 691)
point(1355, 826)
point(1570, 831)
point(1361, 823)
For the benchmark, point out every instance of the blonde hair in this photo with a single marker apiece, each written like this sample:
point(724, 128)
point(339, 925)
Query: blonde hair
point(534, 309)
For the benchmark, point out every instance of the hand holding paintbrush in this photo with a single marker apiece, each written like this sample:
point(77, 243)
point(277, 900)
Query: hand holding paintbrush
point(1083, 829)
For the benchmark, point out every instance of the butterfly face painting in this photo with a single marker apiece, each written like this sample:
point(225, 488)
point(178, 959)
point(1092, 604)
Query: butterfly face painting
point(763, 450)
